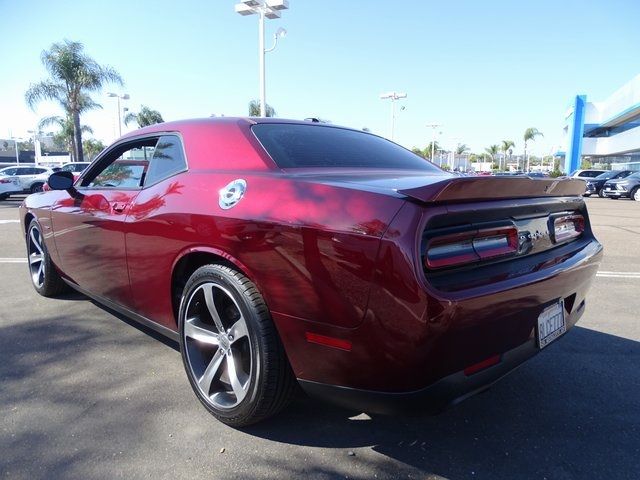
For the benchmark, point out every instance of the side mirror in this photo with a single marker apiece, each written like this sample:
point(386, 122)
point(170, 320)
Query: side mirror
point(60, 181)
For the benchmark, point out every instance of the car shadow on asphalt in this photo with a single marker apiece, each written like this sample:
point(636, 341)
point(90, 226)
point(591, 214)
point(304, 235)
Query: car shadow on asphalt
point(571, 412)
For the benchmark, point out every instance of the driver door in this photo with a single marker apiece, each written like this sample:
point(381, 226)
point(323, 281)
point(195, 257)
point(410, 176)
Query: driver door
point(90, 221)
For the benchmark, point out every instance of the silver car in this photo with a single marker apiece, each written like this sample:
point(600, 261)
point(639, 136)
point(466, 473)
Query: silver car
point(22, 179)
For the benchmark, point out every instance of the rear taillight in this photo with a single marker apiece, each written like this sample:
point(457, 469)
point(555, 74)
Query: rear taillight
point(5, 180)
point(566, 227)
point(471, 246)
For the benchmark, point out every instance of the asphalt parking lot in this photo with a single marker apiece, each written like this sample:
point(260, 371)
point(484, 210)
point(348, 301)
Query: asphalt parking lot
point(86, 394)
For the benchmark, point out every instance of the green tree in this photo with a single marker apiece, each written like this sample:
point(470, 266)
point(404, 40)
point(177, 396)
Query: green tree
point(254, 109)
point(73, 75)
point(418, 151)
point(144, 117)
point(26, 145)
point(92, 147)
point(461, 149)
point(530, 134)
point(507, 147)
point(64, 138)
point(492, 151)
point(432, 149)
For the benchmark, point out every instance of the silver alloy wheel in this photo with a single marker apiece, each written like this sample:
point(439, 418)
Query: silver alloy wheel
point(217, 345)
point(36, 257)
point(636, 195)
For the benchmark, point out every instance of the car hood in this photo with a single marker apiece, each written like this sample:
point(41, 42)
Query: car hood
point(435, 188)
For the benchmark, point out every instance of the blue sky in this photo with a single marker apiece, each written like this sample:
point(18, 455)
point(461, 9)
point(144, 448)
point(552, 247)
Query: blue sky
point(484, 70)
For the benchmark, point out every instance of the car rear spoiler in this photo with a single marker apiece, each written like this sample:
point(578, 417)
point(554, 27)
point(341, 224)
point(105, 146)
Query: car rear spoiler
point(494, 188)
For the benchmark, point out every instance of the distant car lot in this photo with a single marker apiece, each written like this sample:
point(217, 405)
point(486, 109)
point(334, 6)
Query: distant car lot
point(85, 394)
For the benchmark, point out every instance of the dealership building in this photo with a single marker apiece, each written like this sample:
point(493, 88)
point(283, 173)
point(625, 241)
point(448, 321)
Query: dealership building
point(606, 132)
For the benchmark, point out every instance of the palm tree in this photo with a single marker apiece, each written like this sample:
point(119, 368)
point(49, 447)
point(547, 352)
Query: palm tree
point(254, 109)
point(461, 149)
point(144, 117)
point(530, 134)
point(492, 151)
point(506, 146)
point(432, 149)
point(66, 134)
point(92, 147)
point(72, 76)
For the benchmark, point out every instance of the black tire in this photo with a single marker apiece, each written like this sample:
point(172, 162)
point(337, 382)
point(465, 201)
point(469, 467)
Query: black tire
point(256, 357)
point(4, 196)
point(633, 194)
point(44, 276)
point(601, 193)
point(36, 187)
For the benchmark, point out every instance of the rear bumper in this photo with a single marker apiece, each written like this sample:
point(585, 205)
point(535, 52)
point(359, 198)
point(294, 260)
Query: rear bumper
point(436, 397)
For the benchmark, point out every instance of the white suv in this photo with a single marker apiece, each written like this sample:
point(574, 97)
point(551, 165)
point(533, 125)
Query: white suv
point(22, 179)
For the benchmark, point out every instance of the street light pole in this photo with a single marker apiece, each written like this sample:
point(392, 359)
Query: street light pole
point(433, 138)
point(393, 96)
point(263, 86)
point(123, 97)
point(264, 9)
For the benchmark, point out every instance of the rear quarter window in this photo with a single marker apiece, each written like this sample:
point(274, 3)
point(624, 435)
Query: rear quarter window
point(310, 146)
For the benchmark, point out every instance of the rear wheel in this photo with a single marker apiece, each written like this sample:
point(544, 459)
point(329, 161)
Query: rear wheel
point(635, 194)
point(4, 196)
point(231, 351)
point(44, 276)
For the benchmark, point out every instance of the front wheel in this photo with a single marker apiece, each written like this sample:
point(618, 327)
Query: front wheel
point(231, 351)
point(601, 193)
point(36, 187)
point(635, 194)
point(44, 276)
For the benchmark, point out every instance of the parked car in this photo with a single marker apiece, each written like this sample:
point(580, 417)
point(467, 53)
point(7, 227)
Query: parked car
point(283, 252)
point(76, 168)
point(588, 173)
point(594, 186)
point(537, 175)
point(628, 187)
point(21, 179)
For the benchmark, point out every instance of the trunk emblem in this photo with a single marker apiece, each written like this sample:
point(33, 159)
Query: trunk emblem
point(232, 193)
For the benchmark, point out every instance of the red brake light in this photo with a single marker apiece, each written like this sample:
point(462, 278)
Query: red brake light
point(484, 364)
point(5, 180)
point(471, 246)
point(567, 227)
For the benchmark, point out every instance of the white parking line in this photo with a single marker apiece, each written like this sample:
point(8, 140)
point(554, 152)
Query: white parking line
point(9, 221)
point(13, 260)
point(618, 274)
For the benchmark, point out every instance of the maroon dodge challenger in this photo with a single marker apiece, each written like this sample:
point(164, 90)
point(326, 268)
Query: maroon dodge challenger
point(283, 253)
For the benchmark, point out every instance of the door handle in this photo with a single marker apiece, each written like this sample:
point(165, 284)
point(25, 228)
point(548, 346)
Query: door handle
point(119, 207)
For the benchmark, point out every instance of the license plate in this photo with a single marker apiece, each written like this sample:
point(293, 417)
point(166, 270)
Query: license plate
point(551, 324)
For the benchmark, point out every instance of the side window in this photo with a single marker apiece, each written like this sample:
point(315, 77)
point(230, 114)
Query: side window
point(167, 159)
point(26, 171)
point(10, 172)
point(40, 170)
point(124, 167)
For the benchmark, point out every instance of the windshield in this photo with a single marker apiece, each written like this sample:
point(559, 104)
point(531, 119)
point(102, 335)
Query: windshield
point(310, 146)
point(606, 175)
